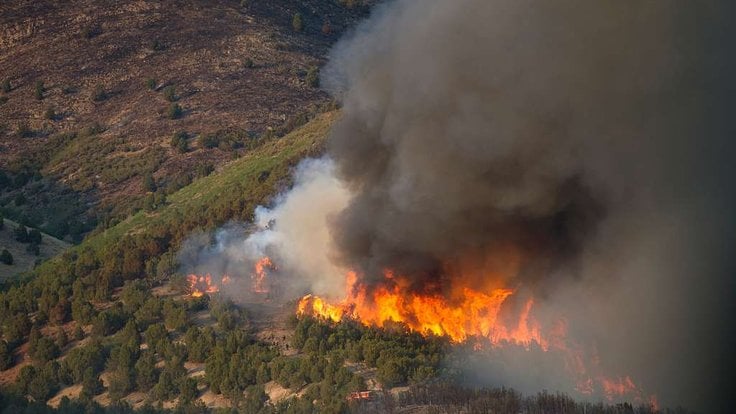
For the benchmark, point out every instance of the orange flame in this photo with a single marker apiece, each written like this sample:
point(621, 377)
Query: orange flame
point(199, 285)
point(463, 314)
point(260, 281)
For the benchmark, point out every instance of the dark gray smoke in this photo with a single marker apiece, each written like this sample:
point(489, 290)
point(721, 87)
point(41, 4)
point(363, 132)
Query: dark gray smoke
point(593, 137)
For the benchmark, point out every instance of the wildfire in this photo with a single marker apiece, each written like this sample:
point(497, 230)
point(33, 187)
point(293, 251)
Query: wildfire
point(466, 314)
point(199, 285)
point(260, 273)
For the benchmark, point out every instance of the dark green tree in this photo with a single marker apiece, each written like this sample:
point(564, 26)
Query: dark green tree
point(6, 257)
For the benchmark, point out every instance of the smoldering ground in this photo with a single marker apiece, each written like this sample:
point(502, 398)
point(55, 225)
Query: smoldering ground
point(594, 137)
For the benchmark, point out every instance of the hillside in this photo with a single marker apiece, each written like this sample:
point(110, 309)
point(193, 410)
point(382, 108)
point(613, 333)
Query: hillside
point(94, 92)
point(23, 259)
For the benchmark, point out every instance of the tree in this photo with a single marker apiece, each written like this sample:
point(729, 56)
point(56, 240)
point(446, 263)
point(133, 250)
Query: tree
point(45, 350)
point(179, 141)
point(146, 374)
point(34, 236)
point(91, 384)
point(296, 22)
point(6, 356)
point(21, 234)
point(6, 257)
point(148, 183)
point(175, 316)
point(175, 111)
point(187, 390)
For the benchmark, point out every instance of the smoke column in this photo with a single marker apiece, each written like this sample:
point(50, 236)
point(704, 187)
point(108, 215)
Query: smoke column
point(593, 137)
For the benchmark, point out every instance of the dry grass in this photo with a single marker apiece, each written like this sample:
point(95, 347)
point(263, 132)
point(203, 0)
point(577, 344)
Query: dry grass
point(23, 260)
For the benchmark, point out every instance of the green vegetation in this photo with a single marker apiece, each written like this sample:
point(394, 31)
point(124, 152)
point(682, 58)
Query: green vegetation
point(38, 90)
point(6, 257)
point(175, 111)
point(151, 83)
point(169, 93)
point(179, 142)
point(296, 22)
point(312, 77)
point(6, 86)
point(99, 94)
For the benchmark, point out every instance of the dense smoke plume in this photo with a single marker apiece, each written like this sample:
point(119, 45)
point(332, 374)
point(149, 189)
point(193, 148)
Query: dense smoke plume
point(592, 136)
point(589, 139)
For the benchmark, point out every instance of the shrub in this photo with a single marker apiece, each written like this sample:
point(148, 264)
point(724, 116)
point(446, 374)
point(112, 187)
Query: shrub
point(34, 236)
point(156, 45)
point(312, 77)
point(208, 141)
point(21, 234)
point(170, 93)
point(151, 83)
point(175, 111)
point(49, 114)
point(91, 31)
point(179, 141)
point(249, 63)
point(296, 22)
point(99, 94)
point(3, 100)
point(39, 90)
point(7, 87)
point(148, 183)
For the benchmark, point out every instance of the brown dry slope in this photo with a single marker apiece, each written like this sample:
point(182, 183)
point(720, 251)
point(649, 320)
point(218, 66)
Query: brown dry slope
point(236, 68)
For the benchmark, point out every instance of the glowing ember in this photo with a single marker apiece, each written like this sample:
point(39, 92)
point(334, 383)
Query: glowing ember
point(260, 273)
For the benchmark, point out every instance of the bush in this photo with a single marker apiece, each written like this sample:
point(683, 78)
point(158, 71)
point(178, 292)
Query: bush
point(34, 236)
point(21, 234)
point(179, 141)
point(296, 22)
point(170, 93)
point(312, 78)
point(249, 64)
point(50, 114)
point(175, 111)
point(208, 141)
point(7, 87)
point(156, 45)
point(91, 31)
point(151, 83)
point(39, 90)
point(149, 184)
point(99, 94)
